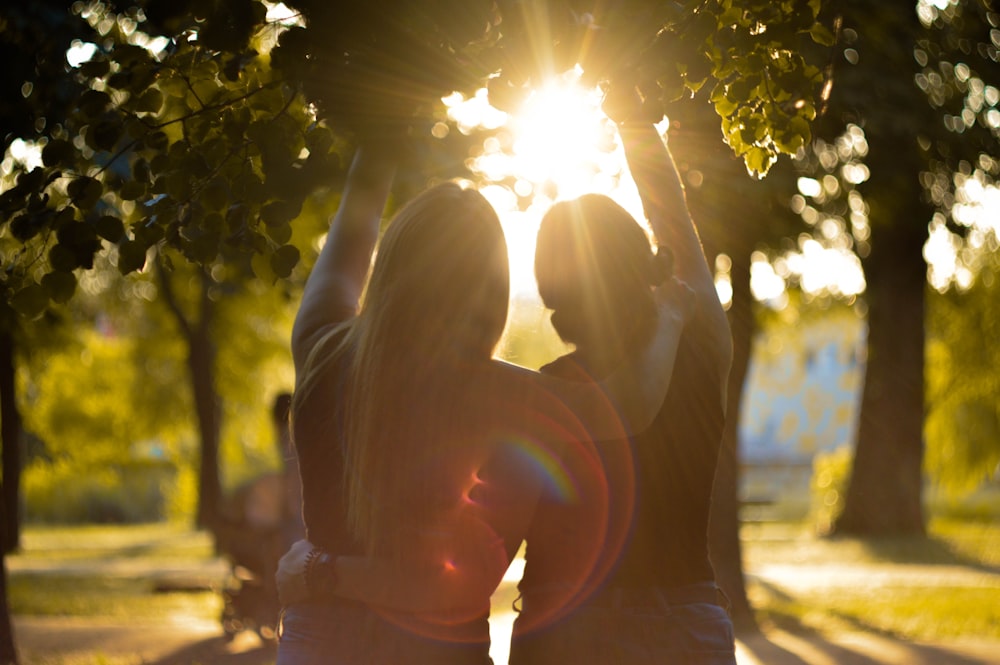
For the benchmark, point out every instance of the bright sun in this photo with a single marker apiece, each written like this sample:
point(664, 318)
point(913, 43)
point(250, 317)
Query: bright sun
point(558, 145)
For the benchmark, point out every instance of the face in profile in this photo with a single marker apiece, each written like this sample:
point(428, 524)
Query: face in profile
point(592, 264)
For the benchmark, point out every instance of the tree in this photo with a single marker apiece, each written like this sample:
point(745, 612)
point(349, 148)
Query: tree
point(913, 82)
point(199, 150)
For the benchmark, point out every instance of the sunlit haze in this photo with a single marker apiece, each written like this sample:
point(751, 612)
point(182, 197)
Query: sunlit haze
point(558, 145)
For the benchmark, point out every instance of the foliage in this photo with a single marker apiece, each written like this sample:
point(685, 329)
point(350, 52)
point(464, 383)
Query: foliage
point(831, 471)
point(83, 403)
point(959, 72)
point(167, 144)
point(72, 492)
point(963, 418)
point(115, 393)
point(191, 141)
point(746, 55)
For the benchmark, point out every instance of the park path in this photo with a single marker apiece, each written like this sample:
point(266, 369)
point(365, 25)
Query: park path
point(56, 639)
point(180, 640)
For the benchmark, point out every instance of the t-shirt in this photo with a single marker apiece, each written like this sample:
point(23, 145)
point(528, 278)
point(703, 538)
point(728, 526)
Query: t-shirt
point(657, 487)
point(321, 458)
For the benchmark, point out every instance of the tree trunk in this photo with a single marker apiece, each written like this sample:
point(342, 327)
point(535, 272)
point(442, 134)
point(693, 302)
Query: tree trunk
point(885, 490)
point(8, 654)
point(724, 533)
point(10, 440)
point(201, 371)
point(879, 94)
point(201, 362)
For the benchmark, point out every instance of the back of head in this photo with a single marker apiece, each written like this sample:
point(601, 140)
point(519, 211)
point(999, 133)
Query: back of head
point(594, 267)
point(437, 297)
point(441, 273)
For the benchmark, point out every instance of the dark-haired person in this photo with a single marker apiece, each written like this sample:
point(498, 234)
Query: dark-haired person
point(646, 591)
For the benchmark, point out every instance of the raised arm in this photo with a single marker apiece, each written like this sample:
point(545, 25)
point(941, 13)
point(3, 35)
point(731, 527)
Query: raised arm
point(334, 287)
point(663, 199)
point(626, 401)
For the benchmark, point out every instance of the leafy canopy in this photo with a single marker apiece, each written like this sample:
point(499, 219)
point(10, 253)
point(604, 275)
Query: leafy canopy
point(203, 127)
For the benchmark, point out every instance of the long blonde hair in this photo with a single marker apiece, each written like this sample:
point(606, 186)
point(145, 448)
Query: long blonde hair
point(437, 297)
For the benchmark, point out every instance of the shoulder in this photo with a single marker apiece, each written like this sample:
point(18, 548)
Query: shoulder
point(567, 367)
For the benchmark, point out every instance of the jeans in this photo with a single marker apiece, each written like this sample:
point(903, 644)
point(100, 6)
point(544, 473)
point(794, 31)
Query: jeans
point(632, 633)
point(351, 634)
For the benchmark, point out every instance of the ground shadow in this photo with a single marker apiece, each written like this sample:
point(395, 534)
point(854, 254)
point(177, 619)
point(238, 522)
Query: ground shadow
point(244, 650)
point(918, 550)
point(784, 640)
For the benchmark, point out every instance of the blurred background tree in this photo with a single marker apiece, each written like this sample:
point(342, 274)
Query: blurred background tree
point(910, 138)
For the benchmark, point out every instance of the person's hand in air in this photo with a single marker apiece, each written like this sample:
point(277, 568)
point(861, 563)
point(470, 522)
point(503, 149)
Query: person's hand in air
point(675, 299)
point(624, 101)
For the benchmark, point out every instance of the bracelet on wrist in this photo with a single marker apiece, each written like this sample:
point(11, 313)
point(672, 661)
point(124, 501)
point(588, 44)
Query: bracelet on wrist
point(320, 573)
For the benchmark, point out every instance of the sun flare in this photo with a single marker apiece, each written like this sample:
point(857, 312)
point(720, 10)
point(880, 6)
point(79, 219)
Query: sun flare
point(563, 143)
point(558, 145)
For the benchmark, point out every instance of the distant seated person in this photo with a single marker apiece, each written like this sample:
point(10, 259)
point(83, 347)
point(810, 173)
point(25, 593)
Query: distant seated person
point(263, 516)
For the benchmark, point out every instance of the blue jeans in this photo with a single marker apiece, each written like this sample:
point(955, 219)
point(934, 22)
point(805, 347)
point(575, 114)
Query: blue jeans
point(632, 633)
point(349, 633)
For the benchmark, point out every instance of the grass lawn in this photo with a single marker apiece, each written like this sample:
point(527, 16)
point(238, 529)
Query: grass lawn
point(115, 572)
point(943, 587)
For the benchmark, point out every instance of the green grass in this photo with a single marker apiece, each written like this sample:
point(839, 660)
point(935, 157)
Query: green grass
point(941, 587)
point(112, 572)
point(166, 541)
point(108, 597)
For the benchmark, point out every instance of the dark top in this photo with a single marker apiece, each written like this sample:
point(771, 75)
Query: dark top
point(321, 470)
point(324, 511)
point(658, 493)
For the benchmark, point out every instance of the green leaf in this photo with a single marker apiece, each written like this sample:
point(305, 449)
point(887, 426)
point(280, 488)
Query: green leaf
point(758, 161)
point(92, 103)
point(178, 185)
point(84, 192)
point(280, 212)
point(131, 256)
point(57, 151)
point(110, 228)
point(157, 140)
point(59, 285)
point(132, 190)
point(103, 135)
point(23, 228)
point(150, 101)
point(280, 233)
point(215, 195)
point(62, 258)
point(284, 260)
point(822, 34)
point(129, 54)
point(31, 301)
point(94, 68)
point(203, 249)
